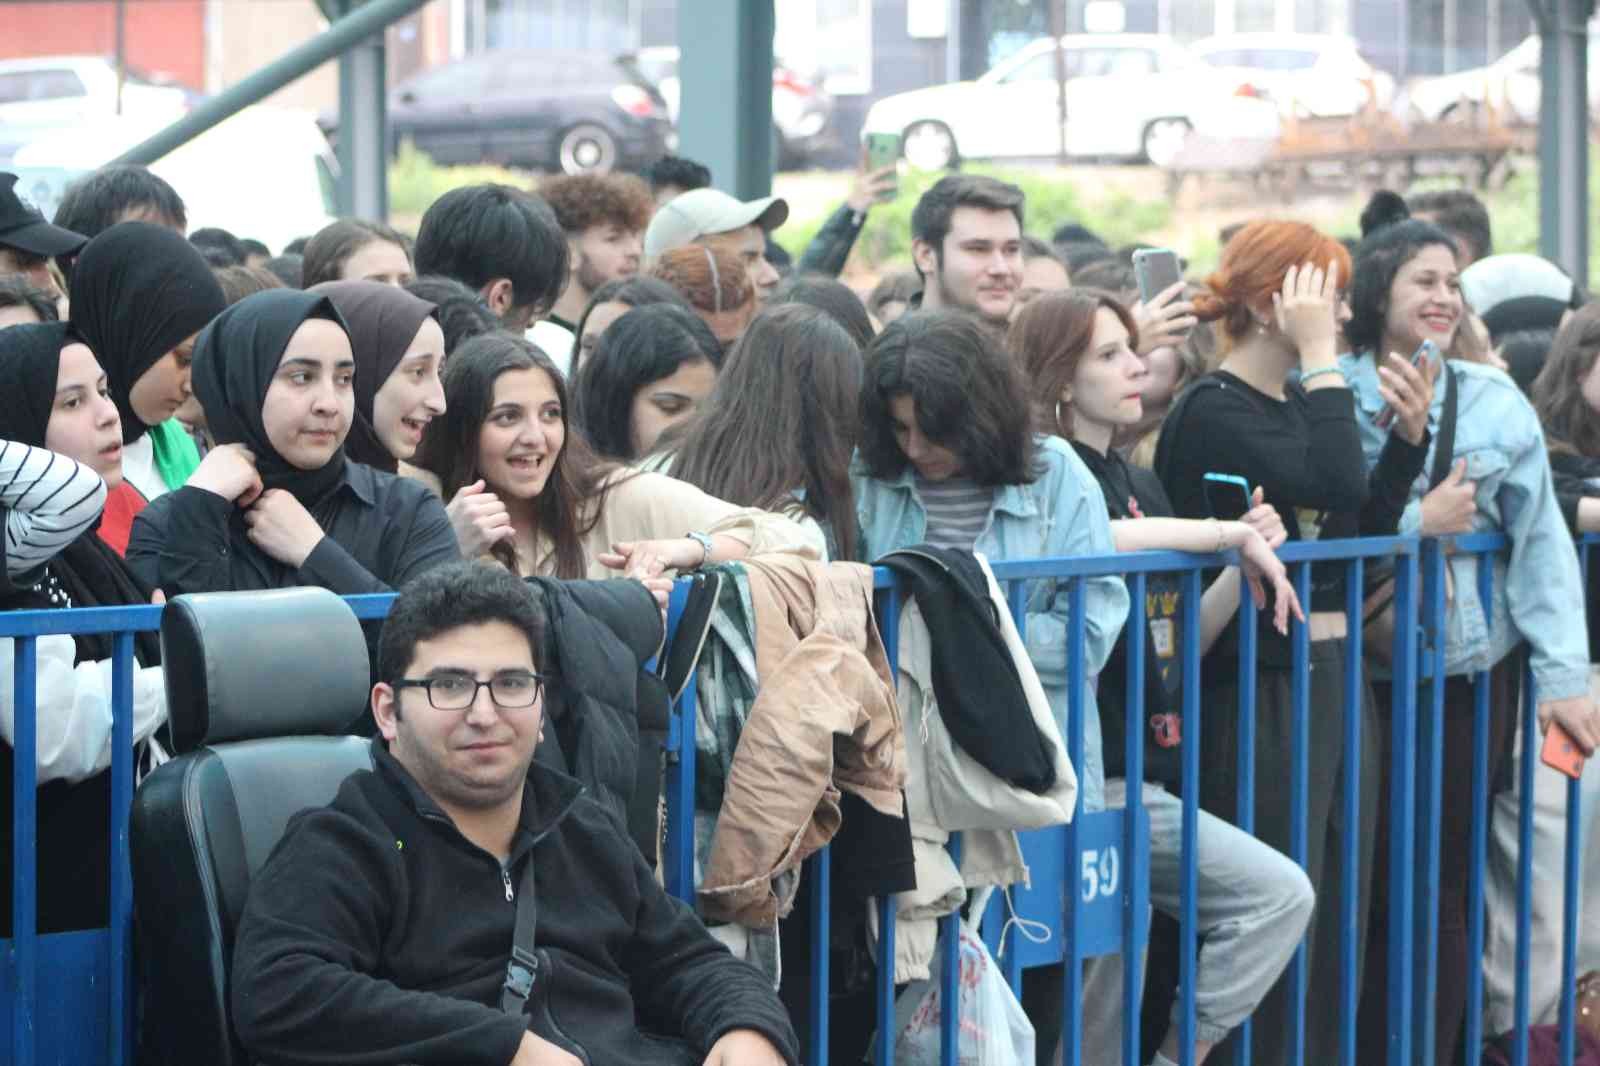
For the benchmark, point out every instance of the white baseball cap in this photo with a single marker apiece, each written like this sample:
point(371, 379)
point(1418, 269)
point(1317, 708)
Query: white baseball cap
point(700, 212)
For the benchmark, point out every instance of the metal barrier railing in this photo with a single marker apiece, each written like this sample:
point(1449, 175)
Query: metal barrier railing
point(88, 1014)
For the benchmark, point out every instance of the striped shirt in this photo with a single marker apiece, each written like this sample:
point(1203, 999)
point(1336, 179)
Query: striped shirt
point(48, 501)
point(957, 509)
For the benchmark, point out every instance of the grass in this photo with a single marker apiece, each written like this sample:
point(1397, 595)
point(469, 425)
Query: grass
point(1123, 205)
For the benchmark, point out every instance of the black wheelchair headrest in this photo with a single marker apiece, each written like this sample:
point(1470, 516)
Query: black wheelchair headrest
point(249, 665)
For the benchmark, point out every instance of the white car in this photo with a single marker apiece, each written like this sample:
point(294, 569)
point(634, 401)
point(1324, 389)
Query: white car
point(279, 172)
point(1128, 95)
point(55, 91)
point(801, 111)
point(1321, 75)
point(1509, 85)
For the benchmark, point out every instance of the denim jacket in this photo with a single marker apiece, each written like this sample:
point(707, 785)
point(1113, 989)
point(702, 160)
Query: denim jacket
point(1538, 594)
point(1063, 513)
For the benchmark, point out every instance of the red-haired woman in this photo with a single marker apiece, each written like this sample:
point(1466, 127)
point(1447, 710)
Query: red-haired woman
point(1278, 413)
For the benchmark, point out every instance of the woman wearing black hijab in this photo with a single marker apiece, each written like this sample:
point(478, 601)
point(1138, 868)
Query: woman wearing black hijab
point(399, 351)
point(276, 503)
point(55, 398)
point(140, 293)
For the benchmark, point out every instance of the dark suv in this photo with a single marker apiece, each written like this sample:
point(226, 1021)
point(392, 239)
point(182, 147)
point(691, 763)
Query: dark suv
point(543, 110)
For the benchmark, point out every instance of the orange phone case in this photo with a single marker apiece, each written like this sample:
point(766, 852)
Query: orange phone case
point(1561, 752)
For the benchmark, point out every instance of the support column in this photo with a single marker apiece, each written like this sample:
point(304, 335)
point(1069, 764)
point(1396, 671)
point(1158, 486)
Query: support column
point(1564, 135)
point(725, 70)
point(363, 128)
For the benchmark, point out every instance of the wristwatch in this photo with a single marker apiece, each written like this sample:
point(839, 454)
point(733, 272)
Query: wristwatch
point(704, 540)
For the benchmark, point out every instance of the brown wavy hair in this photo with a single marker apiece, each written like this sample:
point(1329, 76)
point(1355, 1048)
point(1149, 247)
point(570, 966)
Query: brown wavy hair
point(1570, 426)
point(1253, 267)
point(583, 201)
point(1048, 339)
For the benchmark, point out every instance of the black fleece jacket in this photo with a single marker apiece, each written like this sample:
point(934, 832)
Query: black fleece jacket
point(377, 933)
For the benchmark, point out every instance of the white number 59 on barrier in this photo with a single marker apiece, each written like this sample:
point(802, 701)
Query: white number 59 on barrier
point(1100, 873)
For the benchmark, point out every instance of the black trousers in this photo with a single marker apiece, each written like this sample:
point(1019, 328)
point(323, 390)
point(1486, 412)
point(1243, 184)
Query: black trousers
point(1326, 832)
point(1457, 816)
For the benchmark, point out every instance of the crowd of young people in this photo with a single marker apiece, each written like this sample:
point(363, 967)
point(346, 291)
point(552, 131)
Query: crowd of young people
point(605, 378)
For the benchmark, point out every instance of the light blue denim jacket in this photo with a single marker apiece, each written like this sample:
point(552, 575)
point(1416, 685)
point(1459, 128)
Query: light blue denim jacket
point(1063, 513)
point(1538, 596)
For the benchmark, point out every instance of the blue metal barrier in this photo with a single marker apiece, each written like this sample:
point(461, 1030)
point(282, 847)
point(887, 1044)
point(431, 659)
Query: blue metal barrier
point(88, 1014)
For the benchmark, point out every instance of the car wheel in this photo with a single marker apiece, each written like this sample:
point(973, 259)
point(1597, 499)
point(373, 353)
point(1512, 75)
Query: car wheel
point(1164, 139)
point(586, 148)
point(929, 145)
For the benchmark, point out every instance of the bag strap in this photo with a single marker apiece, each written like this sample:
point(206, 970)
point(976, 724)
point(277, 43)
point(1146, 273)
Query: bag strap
point(1444, 452)
point(523, 966)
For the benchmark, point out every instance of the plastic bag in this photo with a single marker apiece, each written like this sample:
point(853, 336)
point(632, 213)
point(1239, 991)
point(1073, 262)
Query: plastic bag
point(993, 1030)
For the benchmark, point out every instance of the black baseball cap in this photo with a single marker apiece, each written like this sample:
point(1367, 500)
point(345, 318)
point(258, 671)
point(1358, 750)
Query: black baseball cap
point(25, 228)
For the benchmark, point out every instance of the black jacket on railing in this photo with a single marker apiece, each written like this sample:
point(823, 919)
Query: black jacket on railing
point(608, 715)
point(981, 698)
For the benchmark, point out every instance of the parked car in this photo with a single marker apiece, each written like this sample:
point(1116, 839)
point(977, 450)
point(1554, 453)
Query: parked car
point(801, 111)
point(277, 171)
point(1509, 85)
point(1135, 96)
point(1321, 75)
point(48, 92)
point(568, 112)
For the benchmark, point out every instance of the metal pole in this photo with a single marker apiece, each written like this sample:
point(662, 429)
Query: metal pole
point(952, 42)
point(1058, 28)
point(725, 119)
point(342, 35)
point(363, 122)
point(121, 48)
point(1563, 136)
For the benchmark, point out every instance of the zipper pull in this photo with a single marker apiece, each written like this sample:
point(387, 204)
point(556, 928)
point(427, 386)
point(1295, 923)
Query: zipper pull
point(505, 879)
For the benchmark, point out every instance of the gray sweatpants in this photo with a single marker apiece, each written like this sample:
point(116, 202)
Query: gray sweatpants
point(1252, 905)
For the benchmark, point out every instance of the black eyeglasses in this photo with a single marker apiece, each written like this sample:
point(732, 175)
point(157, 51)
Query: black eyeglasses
point(456, 692)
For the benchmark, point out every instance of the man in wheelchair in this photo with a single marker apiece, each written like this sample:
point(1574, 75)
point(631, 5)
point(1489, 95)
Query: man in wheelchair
point(461, 904)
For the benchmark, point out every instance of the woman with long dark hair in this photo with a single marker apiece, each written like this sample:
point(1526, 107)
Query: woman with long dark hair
point(525, 488)
point(948, 457)
point(779, 430)
point(1488, 471)
point(652, 370)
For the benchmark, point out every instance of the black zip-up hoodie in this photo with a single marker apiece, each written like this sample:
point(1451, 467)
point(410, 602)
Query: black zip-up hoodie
point(377, 933)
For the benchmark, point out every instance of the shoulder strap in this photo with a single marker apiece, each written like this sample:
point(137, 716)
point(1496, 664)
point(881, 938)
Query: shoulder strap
point(1174, 419)
point(523, 966)
point(1444, 451)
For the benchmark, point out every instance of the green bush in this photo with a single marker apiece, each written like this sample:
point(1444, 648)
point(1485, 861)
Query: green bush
point(416, 181)
point(1052, 202)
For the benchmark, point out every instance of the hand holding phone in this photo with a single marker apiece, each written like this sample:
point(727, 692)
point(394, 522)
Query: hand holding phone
point(878, 182)
point(1389, 383)
point(1561, 752)
point(1157, 269)
point(1227, 496)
